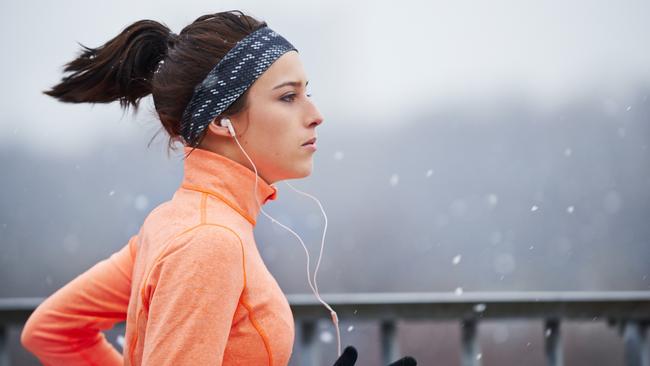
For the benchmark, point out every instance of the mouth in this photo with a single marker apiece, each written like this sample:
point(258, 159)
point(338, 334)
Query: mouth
point(310, 141)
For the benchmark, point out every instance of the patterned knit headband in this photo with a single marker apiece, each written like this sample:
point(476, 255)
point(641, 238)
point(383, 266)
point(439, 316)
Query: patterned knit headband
point(230, 78)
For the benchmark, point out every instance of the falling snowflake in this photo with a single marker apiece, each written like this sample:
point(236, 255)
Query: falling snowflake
point(479, 356)
point(479, 308)
point(350, 328)
point(629, 107)
point(394, 179)
point(112, 192)
point(338, 155)
point(568, 151)
point(141, 202)
point(456, 259)
point(570, 209)
point(429, 173)
point(492, 199)
point(458, 291)
point(120, 340)
point(326, 337)
point(534, 208)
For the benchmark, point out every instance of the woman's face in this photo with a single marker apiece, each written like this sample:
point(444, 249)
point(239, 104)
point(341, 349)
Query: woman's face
point(279, 119)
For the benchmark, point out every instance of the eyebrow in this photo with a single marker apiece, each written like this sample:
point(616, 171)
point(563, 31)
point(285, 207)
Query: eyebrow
point(293, 83)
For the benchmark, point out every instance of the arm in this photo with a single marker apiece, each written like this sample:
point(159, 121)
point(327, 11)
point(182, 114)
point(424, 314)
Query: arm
point(195, 290)
point(65, 329)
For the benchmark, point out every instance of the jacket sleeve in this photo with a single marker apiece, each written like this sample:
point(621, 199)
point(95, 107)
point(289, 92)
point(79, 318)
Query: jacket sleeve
point(65, 329)
point(194, 290)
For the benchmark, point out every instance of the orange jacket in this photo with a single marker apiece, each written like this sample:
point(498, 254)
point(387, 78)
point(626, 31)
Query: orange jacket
point(191, 285)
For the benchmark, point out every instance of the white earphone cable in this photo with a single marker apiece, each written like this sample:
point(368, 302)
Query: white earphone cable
point(314, 287)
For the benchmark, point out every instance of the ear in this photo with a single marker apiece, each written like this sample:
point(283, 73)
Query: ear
point(217, 129)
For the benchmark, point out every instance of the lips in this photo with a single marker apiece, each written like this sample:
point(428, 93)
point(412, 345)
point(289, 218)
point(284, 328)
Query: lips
point(310, 141)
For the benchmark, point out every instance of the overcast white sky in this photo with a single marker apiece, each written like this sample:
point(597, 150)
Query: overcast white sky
point(364, 58)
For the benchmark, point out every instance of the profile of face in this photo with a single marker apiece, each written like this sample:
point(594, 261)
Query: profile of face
point(279, 118)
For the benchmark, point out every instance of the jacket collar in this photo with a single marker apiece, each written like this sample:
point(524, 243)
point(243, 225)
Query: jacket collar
point(227, 180)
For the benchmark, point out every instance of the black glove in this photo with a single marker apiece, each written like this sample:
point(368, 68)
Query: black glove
point(349, 357)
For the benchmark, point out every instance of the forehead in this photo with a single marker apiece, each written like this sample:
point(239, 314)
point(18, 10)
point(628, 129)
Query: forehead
point(287, 67)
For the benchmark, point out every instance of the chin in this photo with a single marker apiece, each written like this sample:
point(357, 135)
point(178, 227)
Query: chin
point(305, 171)
point(303, 174)
point(297, 170)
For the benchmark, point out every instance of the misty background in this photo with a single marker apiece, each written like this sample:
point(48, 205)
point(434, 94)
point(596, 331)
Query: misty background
point(480, 146)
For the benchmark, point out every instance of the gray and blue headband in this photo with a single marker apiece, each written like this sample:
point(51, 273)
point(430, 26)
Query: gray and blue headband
point(230, 78)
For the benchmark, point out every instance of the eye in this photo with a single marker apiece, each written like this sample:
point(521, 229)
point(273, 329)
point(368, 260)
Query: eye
point(292, 96)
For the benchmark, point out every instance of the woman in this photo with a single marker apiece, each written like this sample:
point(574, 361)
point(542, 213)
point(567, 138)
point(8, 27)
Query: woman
point(191, 284)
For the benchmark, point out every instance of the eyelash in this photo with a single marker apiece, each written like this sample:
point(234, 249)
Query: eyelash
point(292, 95)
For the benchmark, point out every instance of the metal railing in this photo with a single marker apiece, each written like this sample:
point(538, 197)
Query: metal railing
point(629, 311)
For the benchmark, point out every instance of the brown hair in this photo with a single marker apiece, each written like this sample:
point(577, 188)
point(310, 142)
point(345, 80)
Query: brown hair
point(126, 67)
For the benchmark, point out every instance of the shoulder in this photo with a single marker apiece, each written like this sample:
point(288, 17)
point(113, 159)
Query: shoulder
point(205, 260)
point(205, 242)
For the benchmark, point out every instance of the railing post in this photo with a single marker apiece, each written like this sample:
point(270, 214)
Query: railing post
point(389, 346)
point(308, 352)
point(645, 344)
point(470, 353)
point(4, 347)
point(635, 349)
point(553, 342)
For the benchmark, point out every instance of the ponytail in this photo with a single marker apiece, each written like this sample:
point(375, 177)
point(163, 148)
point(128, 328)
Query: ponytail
point(147, 58)
point(121, 69)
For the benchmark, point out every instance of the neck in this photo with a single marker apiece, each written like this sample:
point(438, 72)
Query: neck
point(227, 147)
point(226, 179)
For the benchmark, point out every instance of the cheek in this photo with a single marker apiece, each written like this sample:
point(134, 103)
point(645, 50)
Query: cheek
point(277, 133)
point(284, 147)
point(276, 136)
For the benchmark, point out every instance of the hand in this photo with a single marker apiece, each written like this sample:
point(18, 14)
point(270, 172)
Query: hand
point(349, 357)
point(405, 361)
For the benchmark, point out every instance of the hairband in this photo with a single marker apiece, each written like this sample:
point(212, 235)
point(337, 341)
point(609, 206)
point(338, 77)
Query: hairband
point(230, 78)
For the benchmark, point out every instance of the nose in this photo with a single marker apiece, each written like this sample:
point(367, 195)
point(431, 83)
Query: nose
point(316, 117)
point(316, 122)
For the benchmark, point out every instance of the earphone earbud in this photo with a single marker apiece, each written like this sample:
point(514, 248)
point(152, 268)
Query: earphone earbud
point(226, 123)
